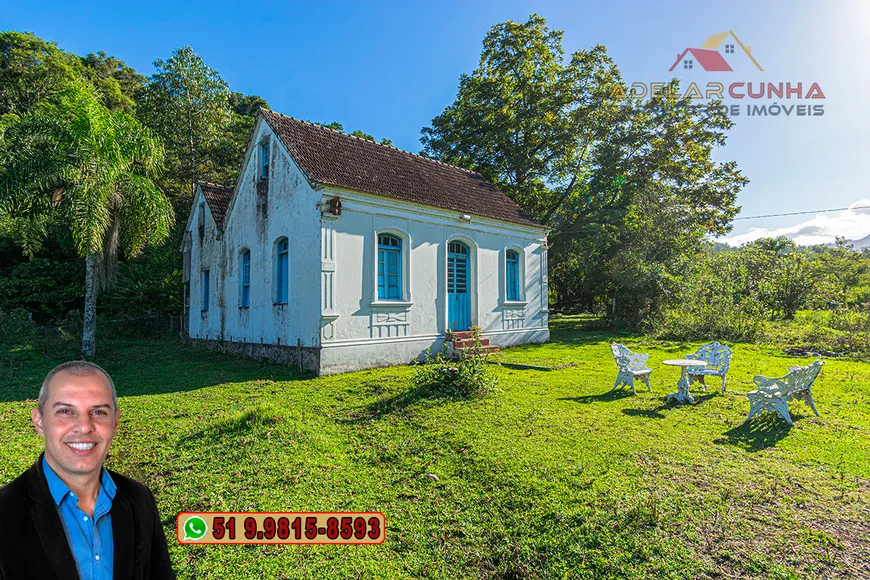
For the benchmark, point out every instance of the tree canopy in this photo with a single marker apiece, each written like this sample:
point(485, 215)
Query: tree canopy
point(187, 104)
point(595, 168)
point(73, 160)
point(33, 70)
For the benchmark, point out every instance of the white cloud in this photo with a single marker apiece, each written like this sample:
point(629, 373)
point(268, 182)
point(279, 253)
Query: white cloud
point(852, 224)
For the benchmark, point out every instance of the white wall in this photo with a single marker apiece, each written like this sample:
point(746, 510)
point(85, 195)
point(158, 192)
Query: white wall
point(205, 253)
point(359, 331)
point(288, 210)
point(332, 299)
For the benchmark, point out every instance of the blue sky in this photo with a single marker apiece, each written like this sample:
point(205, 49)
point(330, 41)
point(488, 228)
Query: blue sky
point(389, 67)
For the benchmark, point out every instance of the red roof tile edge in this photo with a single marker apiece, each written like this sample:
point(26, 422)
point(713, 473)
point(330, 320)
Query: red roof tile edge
point(335, 158)
point(218, 199)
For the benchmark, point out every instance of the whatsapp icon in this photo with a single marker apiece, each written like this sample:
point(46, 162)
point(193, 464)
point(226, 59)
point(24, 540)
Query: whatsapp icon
point(194, 528)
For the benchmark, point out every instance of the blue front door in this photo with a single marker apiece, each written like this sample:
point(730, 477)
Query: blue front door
point(458, 295)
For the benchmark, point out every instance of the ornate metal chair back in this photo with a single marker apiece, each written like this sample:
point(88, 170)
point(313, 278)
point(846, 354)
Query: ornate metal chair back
point(717, 356)
point(626, 359)
point(801, 378)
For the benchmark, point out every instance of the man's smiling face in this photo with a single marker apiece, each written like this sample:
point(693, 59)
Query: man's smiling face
point(78, 421)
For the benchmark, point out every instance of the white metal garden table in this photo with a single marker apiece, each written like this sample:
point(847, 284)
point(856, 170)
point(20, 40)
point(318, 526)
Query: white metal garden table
point(682, 395)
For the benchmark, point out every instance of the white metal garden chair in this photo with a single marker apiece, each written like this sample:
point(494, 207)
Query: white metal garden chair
point(718, 359)
point(773, 394)
point(631, 366)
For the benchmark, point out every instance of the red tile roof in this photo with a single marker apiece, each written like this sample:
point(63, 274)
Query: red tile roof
point(218, 198)
point(335, 158)
point(710, 60)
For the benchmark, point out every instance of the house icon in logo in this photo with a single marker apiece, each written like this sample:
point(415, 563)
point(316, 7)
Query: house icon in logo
point(713, 56)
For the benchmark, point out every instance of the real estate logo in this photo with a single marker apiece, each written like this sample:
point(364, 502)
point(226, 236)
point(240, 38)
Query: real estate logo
point(711, 58)
point(725, 54)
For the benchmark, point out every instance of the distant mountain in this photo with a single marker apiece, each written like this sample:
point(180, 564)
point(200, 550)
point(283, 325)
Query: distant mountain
point(856, 244)
point(862, 243)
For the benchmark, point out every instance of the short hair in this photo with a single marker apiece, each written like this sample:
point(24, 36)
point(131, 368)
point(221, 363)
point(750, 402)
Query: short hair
point(79, 368)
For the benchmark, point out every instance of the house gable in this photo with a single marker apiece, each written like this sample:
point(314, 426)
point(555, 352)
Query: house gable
point(331, 157)
point(333, 314)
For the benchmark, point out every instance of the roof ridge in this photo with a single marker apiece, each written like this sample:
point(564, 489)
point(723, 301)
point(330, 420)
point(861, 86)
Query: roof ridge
point(414, 155)
point(214, 184)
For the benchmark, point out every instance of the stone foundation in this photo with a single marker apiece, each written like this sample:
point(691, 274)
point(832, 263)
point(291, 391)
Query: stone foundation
point(306, 358)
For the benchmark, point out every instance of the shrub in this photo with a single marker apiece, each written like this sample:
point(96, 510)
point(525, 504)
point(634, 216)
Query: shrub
point(701, 321)
point(17, 327)
point(143, 289)
point(45, 287)
point(465, 376)
point(843, 331)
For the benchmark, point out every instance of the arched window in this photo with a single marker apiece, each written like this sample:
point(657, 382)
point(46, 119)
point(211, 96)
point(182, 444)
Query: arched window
point(245, 278)
point(512, 275)
point(281, 273)
point(264, 160)
point(206, 290)
point(201, 220)
point(389, 267)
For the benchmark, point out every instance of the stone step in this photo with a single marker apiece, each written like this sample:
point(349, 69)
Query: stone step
point(466, 342)
point(463, 334)
point(490, 349)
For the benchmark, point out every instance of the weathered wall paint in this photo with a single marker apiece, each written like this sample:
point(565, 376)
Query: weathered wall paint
point(333, 303)
point(361, 331)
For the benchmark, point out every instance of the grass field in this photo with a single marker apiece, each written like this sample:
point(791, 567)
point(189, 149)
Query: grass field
point(551, 476)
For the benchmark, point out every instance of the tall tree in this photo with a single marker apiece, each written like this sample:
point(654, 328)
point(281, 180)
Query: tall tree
point(555, 136)
point(116, 83)
point(186, 103)
point(73, 160)
point(335, 125)
point(226, 154)
point(33, 70)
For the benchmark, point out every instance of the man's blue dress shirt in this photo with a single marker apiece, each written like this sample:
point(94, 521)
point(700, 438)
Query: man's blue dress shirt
point(92, 545)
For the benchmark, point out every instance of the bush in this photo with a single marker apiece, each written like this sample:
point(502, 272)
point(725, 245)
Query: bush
point(47, 288)
point(702, 321)
point(843, 331)
point(467, 376)
point(17, 327)
point(142, 288)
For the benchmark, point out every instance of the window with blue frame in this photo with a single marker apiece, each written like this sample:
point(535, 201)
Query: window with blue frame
point(512, 278)
point(264, 160)
point(205, 290)
point(201, 220)
point(389, 267)
point(245, 279)
point(281, 273)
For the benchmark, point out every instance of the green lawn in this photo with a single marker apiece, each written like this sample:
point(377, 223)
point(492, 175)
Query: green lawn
point(551, 476)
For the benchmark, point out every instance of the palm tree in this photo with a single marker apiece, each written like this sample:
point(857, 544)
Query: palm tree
point(74, 160)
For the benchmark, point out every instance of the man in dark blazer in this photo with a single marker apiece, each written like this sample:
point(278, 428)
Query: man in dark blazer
point(67, 517)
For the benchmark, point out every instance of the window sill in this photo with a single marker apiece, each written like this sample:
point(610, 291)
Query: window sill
point(328, 315)
point(279, 304)
point(243, 307)
point(514, 303)
point(390, 304)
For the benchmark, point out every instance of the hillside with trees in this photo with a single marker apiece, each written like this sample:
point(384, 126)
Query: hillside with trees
point(98, 164)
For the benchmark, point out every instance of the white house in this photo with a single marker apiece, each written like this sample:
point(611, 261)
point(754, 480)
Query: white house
point(337, 254)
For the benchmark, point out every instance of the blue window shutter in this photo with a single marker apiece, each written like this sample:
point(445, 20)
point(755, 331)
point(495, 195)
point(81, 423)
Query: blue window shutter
point(264, 160)
point(382, 288)
point(512, 281)
point(393, 275)
point(246, 278)
point(205, 289)
point(389, 268)
point(282, 274)
point(283, 268)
